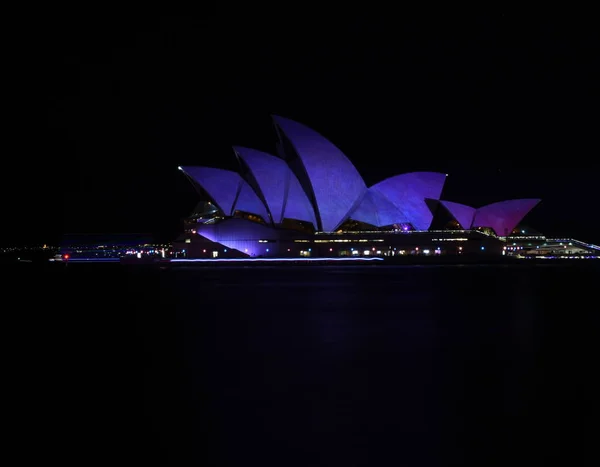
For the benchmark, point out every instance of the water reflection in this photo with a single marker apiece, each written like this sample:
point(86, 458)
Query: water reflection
point(363, 366)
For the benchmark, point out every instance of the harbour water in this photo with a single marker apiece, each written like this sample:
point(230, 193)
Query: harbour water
point(307, 366)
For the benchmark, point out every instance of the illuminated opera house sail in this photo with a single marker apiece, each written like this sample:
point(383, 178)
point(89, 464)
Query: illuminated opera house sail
point(310, 200)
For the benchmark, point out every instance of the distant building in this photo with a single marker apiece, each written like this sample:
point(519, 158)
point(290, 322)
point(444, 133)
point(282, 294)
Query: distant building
point(311, 201)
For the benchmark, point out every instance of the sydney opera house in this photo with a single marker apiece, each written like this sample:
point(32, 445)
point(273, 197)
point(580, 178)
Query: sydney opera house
point(310, 201)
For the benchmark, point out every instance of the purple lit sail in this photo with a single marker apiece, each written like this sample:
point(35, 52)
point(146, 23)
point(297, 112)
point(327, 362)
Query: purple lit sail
point(297, 205)
point(408, 192)
point(366, 211)
point(461, 212)
point(377, 210)
point(279, 186)
point(503, 216)
point(248, 201)
point(336, 184)
point(221, 185)
point(228, 190)
point(270, 174)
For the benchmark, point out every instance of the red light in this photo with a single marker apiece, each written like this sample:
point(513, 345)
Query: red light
point(66, 256)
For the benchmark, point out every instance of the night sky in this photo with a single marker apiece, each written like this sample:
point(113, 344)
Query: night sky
point(103, 110)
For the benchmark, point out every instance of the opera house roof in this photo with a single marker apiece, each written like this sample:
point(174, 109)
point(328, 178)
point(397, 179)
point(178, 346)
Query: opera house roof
point(311, 180)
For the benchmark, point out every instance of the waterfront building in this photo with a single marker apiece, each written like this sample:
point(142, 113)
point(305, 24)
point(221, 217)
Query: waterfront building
point(310, 201)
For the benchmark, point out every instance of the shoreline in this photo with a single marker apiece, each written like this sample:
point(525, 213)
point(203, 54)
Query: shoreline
point(296, 262)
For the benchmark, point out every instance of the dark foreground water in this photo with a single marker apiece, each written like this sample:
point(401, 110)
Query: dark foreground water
point(304, 366)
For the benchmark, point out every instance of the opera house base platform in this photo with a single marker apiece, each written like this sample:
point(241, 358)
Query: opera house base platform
point(241, 239)
point(246, 239)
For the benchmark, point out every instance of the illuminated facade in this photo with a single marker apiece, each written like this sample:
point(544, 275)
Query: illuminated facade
point(311, 201)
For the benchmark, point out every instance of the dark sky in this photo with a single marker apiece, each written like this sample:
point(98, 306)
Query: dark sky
point(103, 110)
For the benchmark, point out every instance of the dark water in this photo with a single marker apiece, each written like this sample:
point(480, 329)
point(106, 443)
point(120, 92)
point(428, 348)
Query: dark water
point(307, 366)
